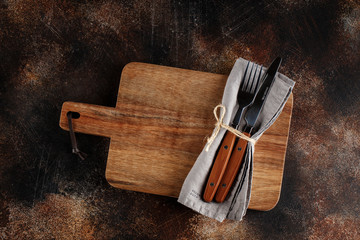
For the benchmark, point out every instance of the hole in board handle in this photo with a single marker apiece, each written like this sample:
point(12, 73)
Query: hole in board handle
point(74, 115)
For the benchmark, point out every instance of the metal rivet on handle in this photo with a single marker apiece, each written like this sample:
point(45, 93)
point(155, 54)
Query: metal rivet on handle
point(239, 149)
point(212, 184)
point(226, 147)
point(224, 185)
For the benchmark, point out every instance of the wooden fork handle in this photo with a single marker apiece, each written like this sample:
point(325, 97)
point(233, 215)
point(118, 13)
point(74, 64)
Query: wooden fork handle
point(232, 169)
point(219, 166)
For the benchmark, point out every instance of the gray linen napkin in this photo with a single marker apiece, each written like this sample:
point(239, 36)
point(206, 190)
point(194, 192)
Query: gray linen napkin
point(235, 205)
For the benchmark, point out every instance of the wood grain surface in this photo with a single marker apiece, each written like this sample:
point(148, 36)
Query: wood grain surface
point(159, 126)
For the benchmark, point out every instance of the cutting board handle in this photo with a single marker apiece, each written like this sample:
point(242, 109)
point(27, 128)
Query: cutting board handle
point(93, 119)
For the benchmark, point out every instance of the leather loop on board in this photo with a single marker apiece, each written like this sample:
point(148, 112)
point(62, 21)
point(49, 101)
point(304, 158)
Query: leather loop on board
point(75, 149)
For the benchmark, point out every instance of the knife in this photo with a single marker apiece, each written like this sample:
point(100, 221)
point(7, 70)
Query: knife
point(250, 117)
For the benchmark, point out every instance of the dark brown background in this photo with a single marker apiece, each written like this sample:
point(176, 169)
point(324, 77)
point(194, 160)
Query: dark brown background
point(55, 51)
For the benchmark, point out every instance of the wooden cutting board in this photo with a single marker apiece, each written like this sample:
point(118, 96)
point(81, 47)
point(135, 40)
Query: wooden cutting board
point(160, 124)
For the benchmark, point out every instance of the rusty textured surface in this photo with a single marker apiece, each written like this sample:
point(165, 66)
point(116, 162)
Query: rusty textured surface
point(54, 51)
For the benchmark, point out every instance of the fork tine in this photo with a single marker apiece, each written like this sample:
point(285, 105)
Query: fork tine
point(248, 79)
point(253, 81)
point(243, 79)
point(258, 80)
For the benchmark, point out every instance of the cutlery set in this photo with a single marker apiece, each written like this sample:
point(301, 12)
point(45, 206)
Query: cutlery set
point(252, 94)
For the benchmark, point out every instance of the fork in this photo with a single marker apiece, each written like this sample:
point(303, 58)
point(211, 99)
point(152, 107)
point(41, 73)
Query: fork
point(246, 93)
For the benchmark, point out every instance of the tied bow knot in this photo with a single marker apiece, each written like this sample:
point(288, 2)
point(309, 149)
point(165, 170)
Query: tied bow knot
point(219, 124)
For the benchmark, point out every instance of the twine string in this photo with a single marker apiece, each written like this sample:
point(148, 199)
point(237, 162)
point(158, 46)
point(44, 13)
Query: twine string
point(219, 124)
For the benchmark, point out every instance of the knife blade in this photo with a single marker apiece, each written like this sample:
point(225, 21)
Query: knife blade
point(257, 104)
point(250, 117)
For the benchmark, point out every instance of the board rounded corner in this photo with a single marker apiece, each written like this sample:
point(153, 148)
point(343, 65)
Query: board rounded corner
point(273, 205)
point(129, 65)
point(108, 179)
point(62, 121)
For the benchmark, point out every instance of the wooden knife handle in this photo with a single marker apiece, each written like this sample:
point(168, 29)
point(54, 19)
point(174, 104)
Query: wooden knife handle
point(219, 166)
point(231, 170)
